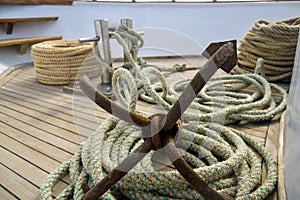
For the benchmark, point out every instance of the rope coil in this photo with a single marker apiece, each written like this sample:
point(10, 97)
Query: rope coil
point(227, 159)
point(275, 42)
point(61, 62)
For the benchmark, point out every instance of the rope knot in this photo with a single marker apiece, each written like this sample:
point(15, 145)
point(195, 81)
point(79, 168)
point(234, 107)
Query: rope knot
point(180, 68)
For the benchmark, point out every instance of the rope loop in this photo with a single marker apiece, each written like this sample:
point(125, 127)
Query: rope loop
point(123, 77)
point(229, 160)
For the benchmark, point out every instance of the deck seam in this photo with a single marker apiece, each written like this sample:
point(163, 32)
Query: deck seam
point(71, 153)
point(9, 192)
point(20, 175)
point(29, 147)
point(31, 163)
point(54, 119)
point(35, 104)
point(40, 129)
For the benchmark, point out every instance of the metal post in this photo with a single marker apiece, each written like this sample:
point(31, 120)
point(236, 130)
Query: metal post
point(128, 23)
point(101, 29)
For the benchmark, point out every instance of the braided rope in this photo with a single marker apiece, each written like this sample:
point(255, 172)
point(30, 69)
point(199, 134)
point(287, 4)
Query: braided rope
point(63, 61)
point(275, 42)
point(226, 158)
point(233, 101)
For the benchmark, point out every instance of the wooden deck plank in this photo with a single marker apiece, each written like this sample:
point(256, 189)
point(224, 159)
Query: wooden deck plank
point(43, 126)
point(90, 121)
point(85, 121)
point(58, 142)
point(39, 145)
point(8, 75)
point(47, 92)
point(6, 72)
point(65, 103)
point(6, 195)
point(77, 99)
point(271, 144)
point(28, 77)
point(281, 193)
point(17, 185)
point(30, 155)
point(273, 138)
point(76, 102)
point(46, 118)
point(33, 174)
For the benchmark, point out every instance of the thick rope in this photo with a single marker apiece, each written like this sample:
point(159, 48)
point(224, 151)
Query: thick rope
point(227, 98)
point(61, 62)
point(275, 42)
point(224, 157)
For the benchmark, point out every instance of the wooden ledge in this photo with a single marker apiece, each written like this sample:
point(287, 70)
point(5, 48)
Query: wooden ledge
point(24, 42)
point(9, 22)
point(36, 2)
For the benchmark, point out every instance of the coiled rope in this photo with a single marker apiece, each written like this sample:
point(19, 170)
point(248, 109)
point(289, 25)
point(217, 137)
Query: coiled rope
point(61, 62)
point(230, 98)
point(222, 156)
point(275, 42)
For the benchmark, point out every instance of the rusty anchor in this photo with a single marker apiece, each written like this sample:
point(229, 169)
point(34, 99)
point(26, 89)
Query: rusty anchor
point(160, 130)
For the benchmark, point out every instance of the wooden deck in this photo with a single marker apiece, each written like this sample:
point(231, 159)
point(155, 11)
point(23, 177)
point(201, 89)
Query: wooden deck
point(41, 127)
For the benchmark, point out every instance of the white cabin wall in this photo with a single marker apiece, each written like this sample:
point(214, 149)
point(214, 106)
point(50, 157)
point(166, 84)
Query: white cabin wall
point(187, 28)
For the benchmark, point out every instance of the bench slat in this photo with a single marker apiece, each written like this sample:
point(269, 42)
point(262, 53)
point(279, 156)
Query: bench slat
point(20, 41)
point(24, 42)
point(9, 22)
point(27, 19)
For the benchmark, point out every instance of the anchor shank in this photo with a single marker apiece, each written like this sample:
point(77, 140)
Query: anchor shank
point(189, 174)
point(120, 171)
point(218, 60)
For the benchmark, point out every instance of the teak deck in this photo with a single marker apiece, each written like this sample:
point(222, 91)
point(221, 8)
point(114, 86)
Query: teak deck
point(41, 127)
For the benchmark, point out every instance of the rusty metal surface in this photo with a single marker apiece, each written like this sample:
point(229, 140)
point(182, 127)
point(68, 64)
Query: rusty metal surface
point(188, 173)
point(109, 106)
point(218, 60)
point(160, 129)
point(120, 171)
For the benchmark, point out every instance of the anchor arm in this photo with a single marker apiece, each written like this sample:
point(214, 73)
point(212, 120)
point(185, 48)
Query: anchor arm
point(161, 138)
point(218, 60)
point(188, 173)
point(110, 106)
point(120, 171)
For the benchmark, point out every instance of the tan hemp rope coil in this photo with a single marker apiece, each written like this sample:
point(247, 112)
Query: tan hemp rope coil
point(275, 42)
point(61, 62)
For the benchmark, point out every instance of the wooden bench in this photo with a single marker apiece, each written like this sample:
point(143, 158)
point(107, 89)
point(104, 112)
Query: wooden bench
point(9, 22)
point(24, 42)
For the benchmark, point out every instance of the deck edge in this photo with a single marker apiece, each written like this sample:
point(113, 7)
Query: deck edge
point(281, 141)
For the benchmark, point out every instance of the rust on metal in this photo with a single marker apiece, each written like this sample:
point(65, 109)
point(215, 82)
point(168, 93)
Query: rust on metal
point(109, 106)
point(218, 60)
point(188, 173)
point(120, 171)
point(215, 46)
point(161, 130)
